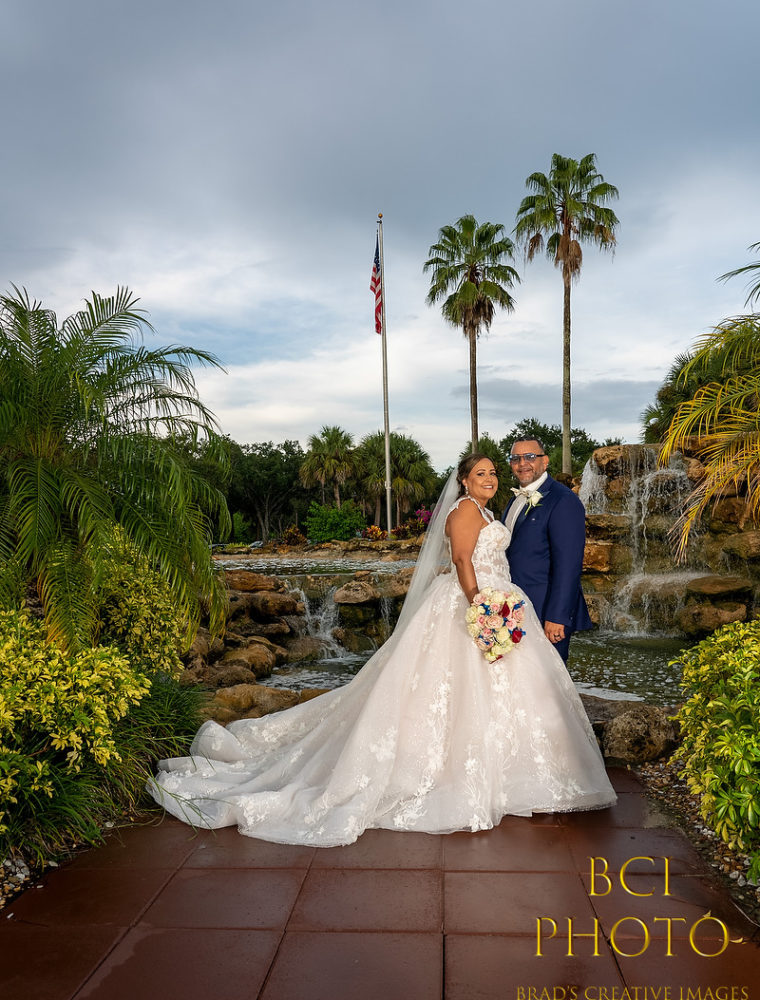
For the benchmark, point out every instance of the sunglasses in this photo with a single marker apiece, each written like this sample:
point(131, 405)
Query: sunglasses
point(529, 457)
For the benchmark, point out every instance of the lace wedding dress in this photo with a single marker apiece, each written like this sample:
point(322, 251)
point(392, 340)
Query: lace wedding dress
point(427, 736)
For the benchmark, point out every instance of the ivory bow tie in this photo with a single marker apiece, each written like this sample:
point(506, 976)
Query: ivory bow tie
point(522, 492)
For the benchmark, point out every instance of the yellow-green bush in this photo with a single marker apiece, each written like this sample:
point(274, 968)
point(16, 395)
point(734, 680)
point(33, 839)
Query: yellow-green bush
point(720, 726)
point(138, 613)
point(56, 711)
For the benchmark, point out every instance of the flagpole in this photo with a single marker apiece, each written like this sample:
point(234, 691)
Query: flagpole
point(385, 379)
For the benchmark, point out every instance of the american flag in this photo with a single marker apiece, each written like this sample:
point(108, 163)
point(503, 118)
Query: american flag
point(376, 286)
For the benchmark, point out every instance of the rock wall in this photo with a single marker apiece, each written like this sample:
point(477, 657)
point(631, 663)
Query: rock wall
point(632, 578)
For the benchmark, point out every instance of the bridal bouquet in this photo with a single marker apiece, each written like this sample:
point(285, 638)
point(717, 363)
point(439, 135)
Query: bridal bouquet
point(494, 620)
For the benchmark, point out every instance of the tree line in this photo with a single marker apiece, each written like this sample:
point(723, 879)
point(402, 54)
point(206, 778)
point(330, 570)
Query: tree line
point(271, 487)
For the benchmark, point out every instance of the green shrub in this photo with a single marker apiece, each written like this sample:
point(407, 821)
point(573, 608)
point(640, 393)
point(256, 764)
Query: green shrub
point(720, 725)
point(138, 613)
point(79, 737)
point(325, 524)
point(56, 711)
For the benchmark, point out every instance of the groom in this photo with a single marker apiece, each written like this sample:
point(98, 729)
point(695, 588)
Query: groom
point(545, 553)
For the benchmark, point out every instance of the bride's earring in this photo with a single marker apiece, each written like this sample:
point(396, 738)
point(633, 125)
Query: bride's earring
point(466, 490)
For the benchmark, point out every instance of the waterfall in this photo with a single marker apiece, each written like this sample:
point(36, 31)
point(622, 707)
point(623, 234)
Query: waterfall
point(591, 493)
point(320, 620)
point(636, 502)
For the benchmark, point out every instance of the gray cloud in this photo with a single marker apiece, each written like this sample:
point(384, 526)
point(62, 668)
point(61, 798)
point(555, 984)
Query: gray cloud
point(227, 161)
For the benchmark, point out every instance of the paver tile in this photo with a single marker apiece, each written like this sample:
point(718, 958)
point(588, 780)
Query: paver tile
point(188, 963)
point(221, 897)
point(495, 967)
point(520, 847)
point(384, 849)
point(90, 896)
point(512, 902)
point(370, 900)
point(39, 962)
point(357, 966)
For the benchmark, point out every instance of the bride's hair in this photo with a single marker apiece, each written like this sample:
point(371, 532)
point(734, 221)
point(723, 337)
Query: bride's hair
point(466, 466)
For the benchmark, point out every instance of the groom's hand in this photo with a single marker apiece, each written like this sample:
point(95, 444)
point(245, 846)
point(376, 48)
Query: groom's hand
point(554, 632)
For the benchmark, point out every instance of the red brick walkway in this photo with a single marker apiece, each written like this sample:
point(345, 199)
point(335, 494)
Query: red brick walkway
point(164, 913)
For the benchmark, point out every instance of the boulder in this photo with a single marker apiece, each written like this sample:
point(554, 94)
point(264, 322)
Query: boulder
point(596, 556)
point(226, 674)
point(356, 592)
point(720, 587)
point(243, 699)
point(639, 734)
point(744, 545)
point(694, 469)
point(269, 604)
point(618, 459)
point(303, 647)
point(247, 581)
point(701, 618)
point(608, 525)
point(731, 511)
point(395, 585)
point(251, 701)
point(256, 658)
point(201, 646)
point(597, 607)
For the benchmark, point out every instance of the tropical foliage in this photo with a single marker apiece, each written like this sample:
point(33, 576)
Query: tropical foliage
point(753, 270)
point(264, 487)
point(80, 733)
point(721, 422)
point(330, 459)
point(567, 208)
point(720, 726)
point(471, 273)
point(681, 383)
point(89, 424)
point(582, 445)
point(325, 524)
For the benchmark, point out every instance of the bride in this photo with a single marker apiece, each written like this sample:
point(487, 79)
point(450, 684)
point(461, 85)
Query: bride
point(428, 736)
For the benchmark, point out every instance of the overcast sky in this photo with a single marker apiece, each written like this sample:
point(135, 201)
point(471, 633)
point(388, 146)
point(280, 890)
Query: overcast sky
point(227, 162)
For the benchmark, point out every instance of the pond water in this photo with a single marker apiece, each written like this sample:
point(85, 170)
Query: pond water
point(602, 663)
point(605, 665)
point(610, 665)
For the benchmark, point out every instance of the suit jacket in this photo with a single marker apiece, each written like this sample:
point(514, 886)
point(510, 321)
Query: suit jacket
point(545, 556)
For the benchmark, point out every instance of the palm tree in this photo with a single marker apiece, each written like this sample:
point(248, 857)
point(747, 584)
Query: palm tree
point(681, 383)
point(724, 418)
point(568, 207)
point(470, 270)
point(330, 459)
point(89, 418)
point(370, 470)
point(752, 269)
point(412, 475)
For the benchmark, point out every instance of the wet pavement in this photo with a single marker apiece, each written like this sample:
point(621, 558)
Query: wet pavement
point(163, 912)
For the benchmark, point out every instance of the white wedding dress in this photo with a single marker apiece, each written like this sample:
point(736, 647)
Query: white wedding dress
point(427, 736)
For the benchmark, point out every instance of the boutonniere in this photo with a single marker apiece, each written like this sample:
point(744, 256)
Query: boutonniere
point(532, 500)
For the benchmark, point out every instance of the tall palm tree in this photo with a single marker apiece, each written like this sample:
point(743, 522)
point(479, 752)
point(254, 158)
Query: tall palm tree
point(470, 272)
point(330, 459)
point(568, 208)
point(724, 418)
point(88, 423)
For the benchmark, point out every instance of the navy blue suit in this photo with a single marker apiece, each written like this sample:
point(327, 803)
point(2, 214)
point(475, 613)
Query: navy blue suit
point(546, 558)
